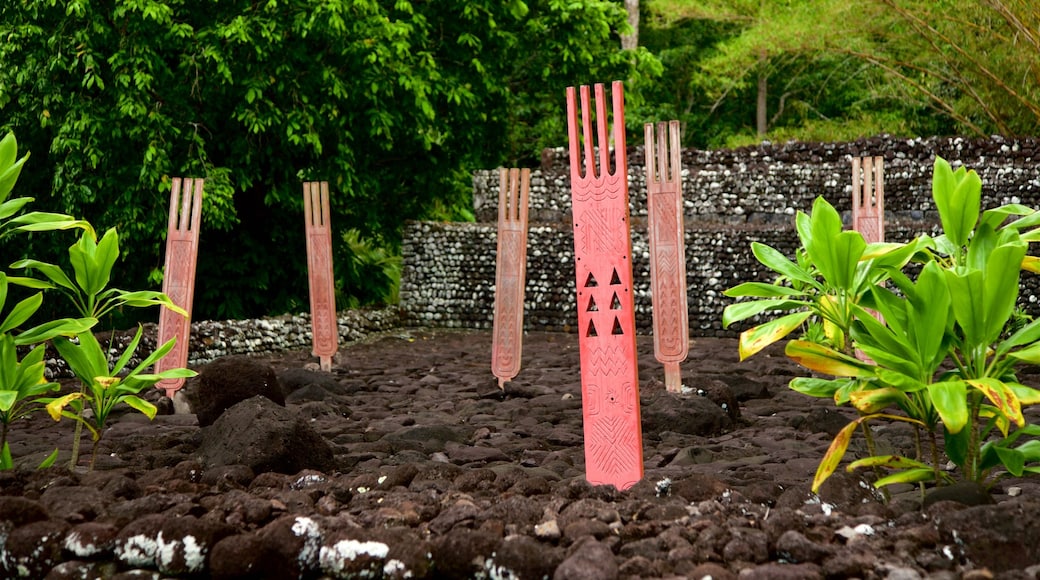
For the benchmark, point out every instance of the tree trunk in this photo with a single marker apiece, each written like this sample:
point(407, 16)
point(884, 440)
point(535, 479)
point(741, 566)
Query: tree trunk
point(631, 41)
point(760, 108)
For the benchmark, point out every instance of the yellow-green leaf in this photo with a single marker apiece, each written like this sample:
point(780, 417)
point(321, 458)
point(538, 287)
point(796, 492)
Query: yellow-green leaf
point(819, 358)
point(755, 339)
point(1002, 397)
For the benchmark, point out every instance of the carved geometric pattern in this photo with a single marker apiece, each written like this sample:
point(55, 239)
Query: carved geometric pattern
point(667, 249)
point(510, 274)
point(182, 246)
point(603, 276)
point(320, 280)
point(601, 234)
point(868, 198)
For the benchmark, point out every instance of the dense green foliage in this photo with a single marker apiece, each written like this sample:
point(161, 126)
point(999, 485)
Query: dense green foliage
point(393, 103)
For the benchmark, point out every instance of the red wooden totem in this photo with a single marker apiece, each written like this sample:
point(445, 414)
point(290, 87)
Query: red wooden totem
point(182, 250)
point(667, 250)
point(510, 274)
point(606, 314)
point(868, 198)
point(324, 327)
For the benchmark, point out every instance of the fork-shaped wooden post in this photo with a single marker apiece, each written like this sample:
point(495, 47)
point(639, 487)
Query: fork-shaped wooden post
point(182, 250)
point(510, 274)
point(324, 327)
point(868, 198)
point(606, 314)
point(667, 250)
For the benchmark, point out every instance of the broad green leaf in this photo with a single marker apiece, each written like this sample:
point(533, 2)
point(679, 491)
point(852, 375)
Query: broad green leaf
point(762, 290)
point(887, 462)
point(54, 328)
point(967, 296)
point(1012, 459)
point(904, 383)
point(816, 387)
point(38, 221)
point(1001, 288)
point(779, 263)
point(52, 272)
point(21, 312)
point(950, 399)
point(7, 400)
point(743, 310)
point(908, 476)
point(958, 197)
point(13, 206)
point(871, 401)
point(755, 339)
point(956, 445)
point(1029, 333)
point(819, 358)
point(1030, 354)
point(137, 403)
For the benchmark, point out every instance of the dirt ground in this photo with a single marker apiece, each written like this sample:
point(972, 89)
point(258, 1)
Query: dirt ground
point(425, 469)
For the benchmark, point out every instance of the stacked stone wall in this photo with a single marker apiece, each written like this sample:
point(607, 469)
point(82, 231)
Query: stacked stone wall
point(732, 198)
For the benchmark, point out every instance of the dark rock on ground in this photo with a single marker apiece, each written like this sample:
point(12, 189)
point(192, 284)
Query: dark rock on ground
point(407, 461)
point(230, 380)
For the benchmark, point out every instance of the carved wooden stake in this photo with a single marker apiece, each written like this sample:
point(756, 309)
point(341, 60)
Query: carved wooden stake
point(510, 274)
point(868, 198)
point(324, 327)
point(606, 314)
point(667, 250)
point(182, 250)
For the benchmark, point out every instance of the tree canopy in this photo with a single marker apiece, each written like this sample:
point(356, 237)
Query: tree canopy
point(392, 102)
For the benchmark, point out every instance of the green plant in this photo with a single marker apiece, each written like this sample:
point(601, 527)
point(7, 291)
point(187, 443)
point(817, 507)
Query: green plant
point(22, 383)
point(833, 271)
point(107, 387)
point(943, 353)
point(92, 261)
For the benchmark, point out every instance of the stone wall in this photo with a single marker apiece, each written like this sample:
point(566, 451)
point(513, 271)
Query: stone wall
point(732, 198)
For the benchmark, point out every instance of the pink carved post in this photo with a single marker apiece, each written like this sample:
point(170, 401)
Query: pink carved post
point(606, 313)
point(667, 250)
point(510, 274)
point(324, 328)
point(182, 250)
point(868, 198)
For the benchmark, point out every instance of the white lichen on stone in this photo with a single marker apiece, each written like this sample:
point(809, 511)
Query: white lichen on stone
point(494, 572)
point(310, 531)
point(334, 558)
point(74, 543)
point(137, 551)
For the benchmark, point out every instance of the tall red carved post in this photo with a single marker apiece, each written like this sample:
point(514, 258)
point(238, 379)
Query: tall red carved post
point(182, 250)
point(510, 274)
point(868, 198)
point(606, 314)
point(324, 328)
point(667, 250)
